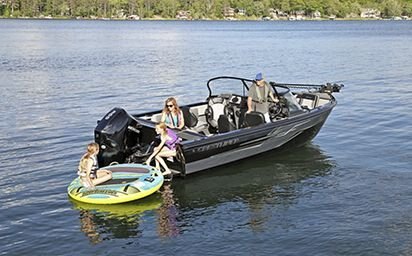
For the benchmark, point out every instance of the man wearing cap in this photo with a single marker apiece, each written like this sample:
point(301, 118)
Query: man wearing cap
point(258, 97)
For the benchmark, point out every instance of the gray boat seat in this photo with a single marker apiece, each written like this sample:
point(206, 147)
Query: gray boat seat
point(225, 125)
point(307, 100)
point(216, 108)
point(156, 118)
point(192, 122)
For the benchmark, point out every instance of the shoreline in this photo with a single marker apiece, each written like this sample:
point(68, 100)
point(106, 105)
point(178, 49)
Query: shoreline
point(191, 20)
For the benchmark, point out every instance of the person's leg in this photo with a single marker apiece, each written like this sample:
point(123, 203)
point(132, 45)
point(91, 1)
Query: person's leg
point(163, 164)
point(102, 176)
point(154, 150)
point(86, 183)
point(165, 153)
point(267, 117)
point(102, 172)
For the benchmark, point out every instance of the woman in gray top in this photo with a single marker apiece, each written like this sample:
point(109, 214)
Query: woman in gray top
point(258, 97)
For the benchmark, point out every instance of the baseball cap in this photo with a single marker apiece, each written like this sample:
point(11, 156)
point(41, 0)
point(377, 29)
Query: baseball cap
point(259, 77)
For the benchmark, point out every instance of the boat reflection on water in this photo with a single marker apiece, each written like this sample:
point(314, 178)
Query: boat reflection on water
point(274, 179)
point(256, 185)
point(100, 222)
point(271, 177)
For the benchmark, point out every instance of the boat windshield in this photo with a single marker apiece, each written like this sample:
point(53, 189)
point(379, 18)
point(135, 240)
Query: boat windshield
point(232, 85)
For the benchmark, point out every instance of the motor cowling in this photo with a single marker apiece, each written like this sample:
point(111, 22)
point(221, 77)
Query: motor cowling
point(112, 134)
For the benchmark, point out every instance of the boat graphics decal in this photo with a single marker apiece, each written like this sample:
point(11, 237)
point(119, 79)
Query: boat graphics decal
point(216, 145)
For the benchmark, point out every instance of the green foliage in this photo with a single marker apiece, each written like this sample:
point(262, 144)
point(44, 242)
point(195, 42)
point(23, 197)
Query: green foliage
point(391, 8)
point(407, 9)
point(199, 9)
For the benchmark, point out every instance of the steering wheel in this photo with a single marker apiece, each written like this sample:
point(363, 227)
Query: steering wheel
point(274, 110)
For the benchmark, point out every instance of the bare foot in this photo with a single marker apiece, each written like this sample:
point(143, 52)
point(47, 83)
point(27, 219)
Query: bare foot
point(168, 172)
point(168, 176)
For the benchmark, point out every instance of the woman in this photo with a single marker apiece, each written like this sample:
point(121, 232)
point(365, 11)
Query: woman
point(166, 148)
point(89, 174)
point(172, 116)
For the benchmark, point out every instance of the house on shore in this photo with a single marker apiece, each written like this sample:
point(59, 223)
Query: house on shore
point(297, 15)
point(229, 12)
point(133, 17)
point(276, 14)
point(316, 15)
point(183, 15)
point(370, 13)
point(240, 12)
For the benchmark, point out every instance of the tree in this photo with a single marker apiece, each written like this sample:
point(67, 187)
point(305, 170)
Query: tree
point(391, 8)
point(201, 9)
point(407, 9)
point(312, 5)
point(331, 7)
point(167, 8)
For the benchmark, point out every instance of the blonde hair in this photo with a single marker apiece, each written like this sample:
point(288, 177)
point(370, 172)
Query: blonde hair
point(92, 148)
point(174, 102)
point(163, 127)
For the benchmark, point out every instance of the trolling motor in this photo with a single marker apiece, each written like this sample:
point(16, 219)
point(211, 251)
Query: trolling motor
point(330, 88)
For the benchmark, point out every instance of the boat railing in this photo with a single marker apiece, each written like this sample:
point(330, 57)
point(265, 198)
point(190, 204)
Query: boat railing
point(323, 88)
point(327, 87)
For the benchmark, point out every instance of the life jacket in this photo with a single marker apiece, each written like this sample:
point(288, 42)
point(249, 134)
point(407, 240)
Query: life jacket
point(93, 171)
point(261, 98)
point(174, 139)
point(171, 120)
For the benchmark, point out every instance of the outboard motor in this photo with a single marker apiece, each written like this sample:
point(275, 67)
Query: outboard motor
point(116, 134)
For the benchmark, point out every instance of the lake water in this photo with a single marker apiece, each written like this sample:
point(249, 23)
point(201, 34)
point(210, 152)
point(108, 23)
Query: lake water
point(348, 192)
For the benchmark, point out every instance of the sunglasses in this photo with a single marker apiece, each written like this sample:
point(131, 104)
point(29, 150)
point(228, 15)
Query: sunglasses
point(169, 106)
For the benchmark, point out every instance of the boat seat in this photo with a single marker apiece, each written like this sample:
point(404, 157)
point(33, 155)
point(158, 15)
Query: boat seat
point(253, 119)
point(192, 121)
point(156, 118)
point(241, 112)
point(190, 118)
point(307, 100)
point(216, 108)
point(224, 124)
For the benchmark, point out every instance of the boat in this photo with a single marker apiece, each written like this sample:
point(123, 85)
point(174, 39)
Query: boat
point(219, 130)
point(129, 182)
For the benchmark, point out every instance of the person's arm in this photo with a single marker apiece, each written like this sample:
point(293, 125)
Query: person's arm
point(163, 119)
point(89, 167)
point(249, 104)
point(181, 120)
point(251, 95)
point(272, 96)
point(157, 150)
